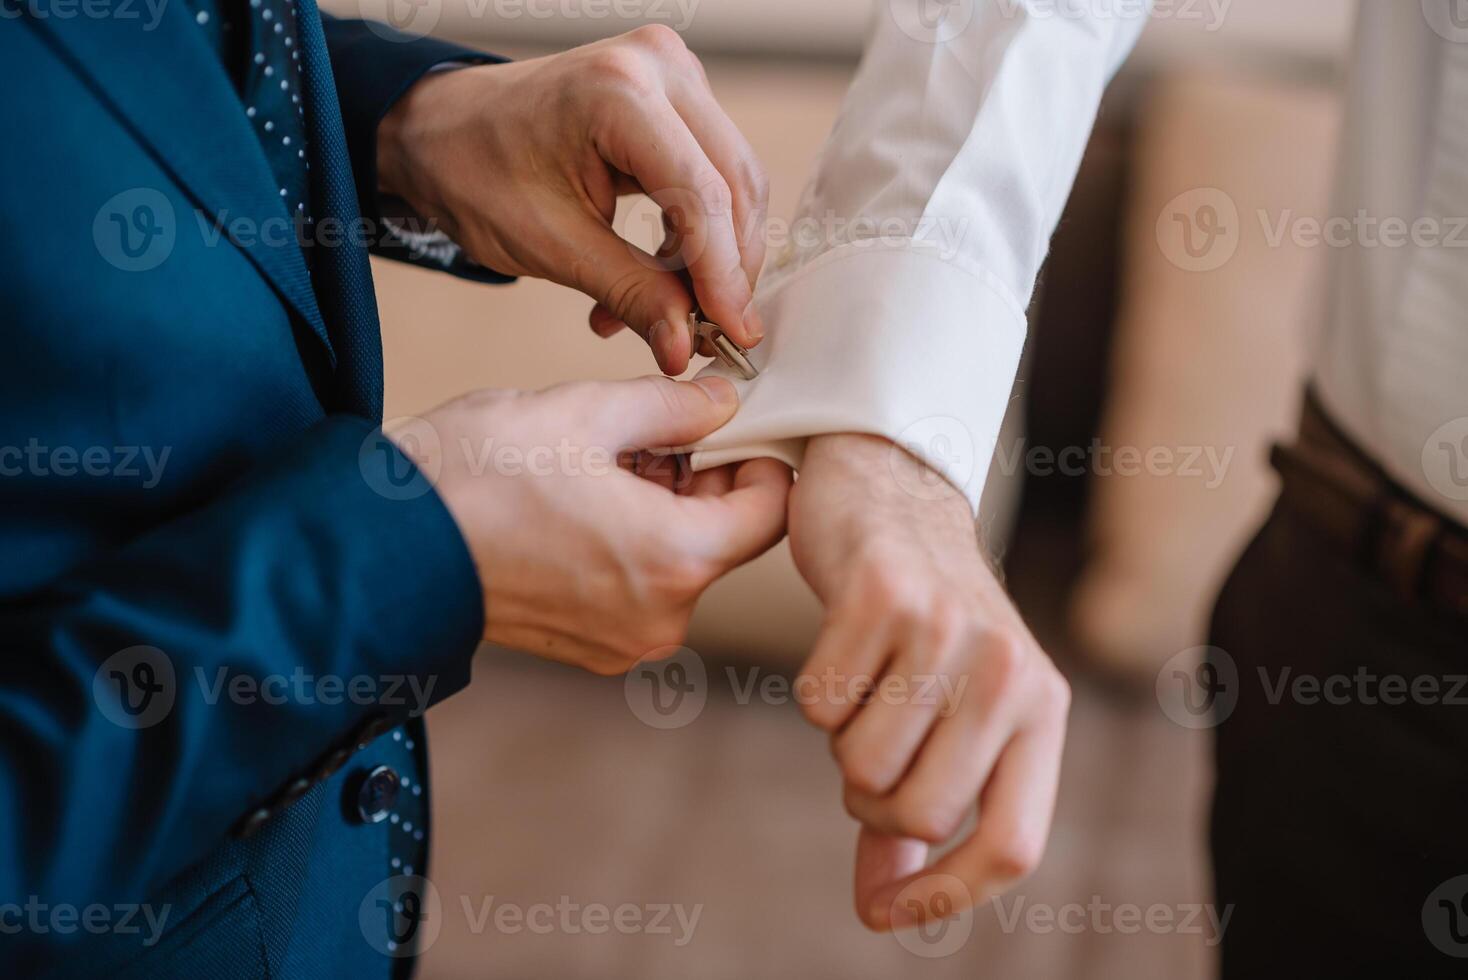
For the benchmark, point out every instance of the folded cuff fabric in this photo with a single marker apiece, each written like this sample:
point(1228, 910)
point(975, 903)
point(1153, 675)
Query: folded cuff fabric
point(938, 387)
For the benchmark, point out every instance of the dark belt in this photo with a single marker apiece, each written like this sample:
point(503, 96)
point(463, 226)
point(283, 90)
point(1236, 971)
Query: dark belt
point(1334, 486)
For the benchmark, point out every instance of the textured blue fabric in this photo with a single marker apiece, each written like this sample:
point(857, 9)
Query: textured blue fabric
point(189, 462)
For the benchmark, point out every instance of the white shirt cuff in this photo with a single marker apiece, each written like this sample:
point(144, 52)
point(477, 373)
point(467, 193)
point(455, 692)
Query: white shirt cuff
point(894, 339)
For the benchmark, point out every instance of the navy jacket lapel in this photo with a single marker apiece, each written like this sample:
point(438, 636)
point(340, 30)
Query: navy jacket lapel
point(344, 274)
point(167, 84)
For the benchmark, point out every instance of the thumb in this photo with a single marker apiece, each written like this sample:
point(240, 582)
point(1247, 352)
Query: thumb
point(881, 861)
point(660, 413)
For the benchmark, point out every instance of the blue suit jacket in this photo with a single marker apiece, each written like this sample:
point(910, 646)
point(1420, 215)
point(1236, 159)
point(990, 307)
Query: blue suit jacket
point(189, 464)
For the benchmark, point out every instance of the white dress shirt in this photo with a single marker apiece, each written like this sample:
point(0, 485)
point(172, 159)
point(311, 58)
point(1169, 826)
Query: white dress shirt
point(1393, 363)
point(897, 306)
point(956, 149)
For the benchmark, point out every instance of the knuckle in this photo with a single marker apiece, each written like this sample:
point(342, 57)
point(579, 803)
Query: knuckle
point(756, 181)
point(1005, 657)
point(863, 772)
point(615, 666)
point(622, 69)
point(857, 803)
point(713, 192)
point(948, 622)
point(624, 294)
point(1055, 693)
point(660, 39)
point(884, 591)
point(941, 654)
point(673, 578)
point(820, 712)
point(1016, 856)
point(684, 577)
point(655, 634)
point(669, 397)
point(930, 822)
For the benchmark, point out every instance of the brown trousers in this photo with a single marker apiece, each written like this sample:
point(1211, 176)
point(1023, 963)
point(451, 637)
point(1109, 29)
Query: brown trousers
point(1340, 820)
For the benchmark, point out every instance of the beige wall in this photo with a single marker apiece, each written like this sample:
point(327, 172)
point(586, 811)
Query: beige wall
point(1182, 30)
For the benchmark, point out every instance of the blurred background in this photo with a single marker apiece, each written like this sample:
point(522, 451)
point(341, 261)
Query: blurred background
point(550, 788)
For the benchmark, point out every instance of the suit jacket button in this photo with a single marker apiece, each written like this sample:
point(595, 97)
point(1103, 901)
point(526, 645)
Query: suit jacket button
point(378, 794)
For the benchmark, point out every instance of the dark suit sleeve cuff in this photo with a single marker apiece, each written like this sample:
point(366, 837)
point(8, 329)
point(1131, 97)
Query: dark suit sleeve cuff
point(374, 66)
point(416, 571)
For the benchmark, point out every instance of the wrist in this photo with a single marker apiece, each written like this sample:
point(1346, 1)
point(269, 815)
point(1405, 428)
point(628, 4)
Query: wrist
point(889, 478)
point(409, 134)
point(853, 511)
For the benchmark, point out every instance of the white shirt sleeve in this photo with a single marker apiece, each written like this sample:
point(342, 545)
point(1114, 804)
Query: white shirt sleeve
point(896, 304)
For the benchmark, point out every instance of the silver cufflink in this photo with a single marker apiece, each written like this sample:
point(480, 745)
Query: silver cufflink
point(736, 357)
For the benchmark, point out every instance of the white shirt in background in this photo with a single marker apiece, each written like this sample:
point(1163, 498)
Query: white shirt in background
point(1393, 365)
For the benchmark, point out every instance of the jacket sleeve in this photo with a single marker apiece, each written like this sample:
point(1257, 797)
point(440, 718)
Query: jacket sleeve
point(153, 698)
point(373, 66)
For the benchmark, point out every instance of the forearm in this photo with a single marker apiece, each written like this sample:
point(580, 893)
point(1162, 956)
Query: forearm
point(373, 70)
point(937, 195)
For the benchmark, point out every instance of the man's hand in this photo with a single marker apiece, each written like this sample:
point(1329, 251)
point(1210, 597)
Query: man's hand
point(579, 559)
point(522, 163)
point(967, 707)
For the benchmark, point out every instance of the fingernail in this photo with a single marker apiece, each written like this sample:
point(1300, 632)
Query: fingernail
point(753, 325)
point(719, 390)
